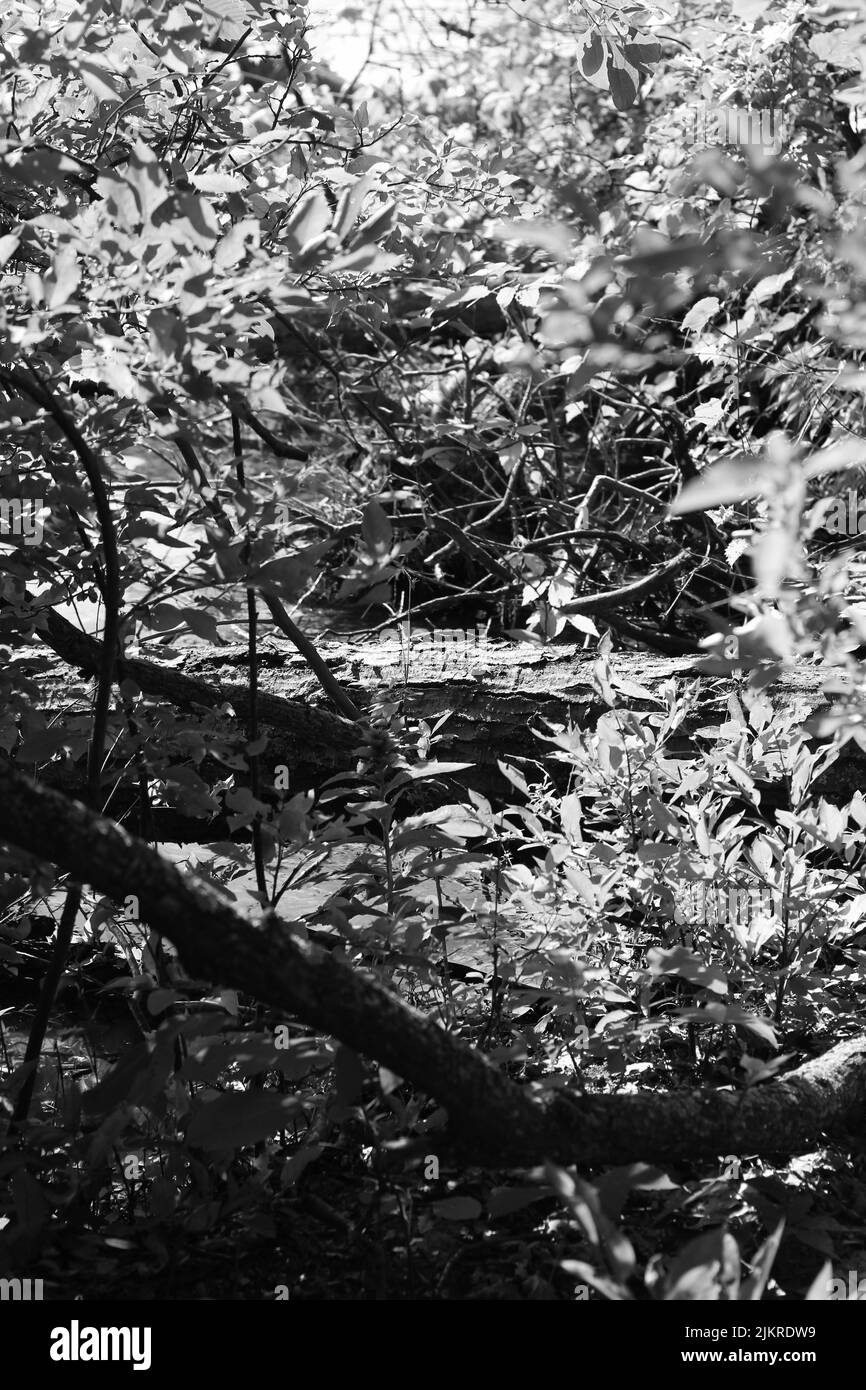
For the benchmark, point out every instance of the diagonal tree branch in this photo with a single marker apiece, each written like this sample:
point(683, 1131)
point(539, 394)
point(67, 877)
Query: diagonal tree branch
point(493, 1120)
point(628, 593)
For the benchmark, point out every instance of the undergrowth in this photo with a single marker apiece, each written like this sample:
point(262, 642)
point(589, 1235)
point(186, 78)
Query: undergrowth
point(646, 917)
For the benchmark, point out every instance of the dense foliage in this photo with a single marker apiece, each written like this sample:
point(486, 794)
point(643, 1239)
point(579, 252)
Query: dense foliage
point(479, 345)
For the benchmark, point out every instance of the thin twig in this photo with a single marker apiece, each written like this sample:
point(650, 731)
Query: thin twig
point(253, 667)
point(30, 385)
point(628, 593)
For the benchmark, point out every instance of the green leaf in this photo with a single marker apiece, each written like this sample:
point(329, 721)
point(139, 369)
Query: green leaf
point(364, 258)
point(700, 314)
point(846, 453)
point(233, 1120)
point(553, 237)
point(836, 48)
point(664, 818)
point(102, 84)
point(389, 1080)
point(145, 176)
point(718, 1015)
point(377, 226)
point(707, 1269)
point(458, 1209)
point(735, 480)
point(203, 624)
point(377, 534)
point(820, 1288)
point(66, 275)
point(350, 1076)
point(641, 53)
point(679, 961)
point(505, 1200)
point(168, 339)
point(350, 205)
point(230, 17)
point(289, 575)
point(623, 78)
point(591, 55)
point(218, 183)
point(434, 769)
point(708, 413)
point(8, 246)
point(582, 623)
point(309, 219)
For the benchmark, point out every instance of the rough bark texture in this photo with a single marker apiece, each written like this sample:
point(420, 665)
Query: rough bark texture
point(493, 1121)
point(498, 693)
point(314, 742)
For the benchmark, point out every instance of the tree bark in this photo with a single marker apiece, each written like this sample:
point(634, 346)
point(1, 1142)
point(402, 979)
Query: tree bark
point(499, 694)
point(311, 740)
point(493, 1121)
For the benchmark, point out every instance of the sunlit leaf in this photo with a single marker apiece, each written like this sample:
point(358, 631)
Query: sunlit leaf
point(734, 480)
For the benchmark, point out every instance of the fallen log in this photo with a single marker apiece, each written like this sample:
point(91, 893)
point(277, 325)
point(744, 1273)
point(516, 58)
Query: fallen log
point(499, 694)
point(311, 740)
point(492, 1120)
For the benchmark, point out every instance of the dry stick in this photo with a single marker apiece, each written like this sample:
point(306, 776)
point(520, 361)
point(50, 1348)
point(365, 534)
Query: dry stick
point(273, 441)
point(258, 1081)
point(144, 800)
point(496, 1121)
point(679, 447)
point(192, 461)
point(42, 396)
point(672, 644)
point(440, 605)
point(325, 676)
point(239, 43)
point(253, 667)
point(625, 488)
point(304, 645)
point(470, 547)
point(629, 593)
point(513, 479)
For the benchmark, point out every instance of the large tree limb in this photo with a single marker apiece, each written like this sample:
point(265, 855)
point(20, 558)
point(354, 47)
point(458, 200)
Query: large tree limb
point(303, 728)
point(276, 965)
point(493, 1120)
point(498, 694)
